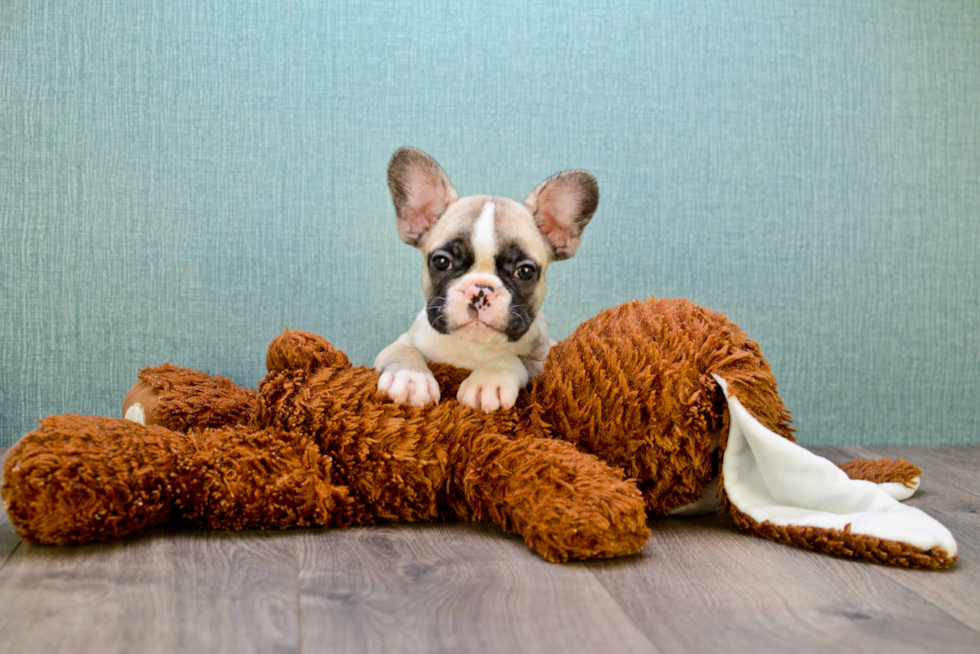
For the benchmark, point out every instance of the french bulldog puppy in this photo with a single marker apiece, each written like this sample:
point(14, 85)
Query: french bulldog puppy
point(486, 259)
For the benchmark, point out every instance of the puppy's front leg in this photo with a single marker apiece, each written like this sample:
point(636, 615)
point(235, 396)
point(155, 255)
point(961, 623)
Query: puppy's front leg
point(494, 385)
point(405, 377)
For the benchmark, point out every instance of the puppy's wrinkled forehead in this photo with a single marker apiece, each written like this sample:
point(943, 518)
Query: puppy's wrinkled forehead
point(488, 225)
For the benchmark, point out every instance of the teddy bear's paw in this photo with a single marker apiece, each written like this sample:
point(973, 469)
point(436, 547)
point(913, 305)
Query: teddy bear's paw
point(490, 388)
point(135, 413)
point(409, 386)
point(298, 350)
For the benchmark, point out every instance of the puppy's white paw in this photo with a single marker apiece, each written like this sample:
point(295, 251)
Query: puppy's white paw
point(489, 389)
point(414, 386)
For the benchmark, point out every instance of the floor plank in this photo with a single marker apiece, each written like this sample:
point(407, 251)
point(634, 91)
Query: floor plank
point(950, 492)
point(451, 588)
point(709, 587)
point(187, 591)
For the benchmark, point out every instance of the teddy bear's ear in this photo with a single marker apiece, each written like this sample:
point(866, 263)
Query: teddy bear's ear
point(562, 206)
point(420, 190)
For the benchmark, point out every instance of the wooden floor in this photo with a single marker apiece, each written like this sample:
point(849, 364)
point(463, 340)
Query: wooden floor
point(698, 586)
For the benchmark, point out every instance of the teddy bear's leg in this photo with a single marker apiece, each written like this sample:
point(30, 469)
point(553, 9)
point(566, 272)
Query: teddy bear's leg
point(77, 479)
point(565, 503)
point(180, 398)
point(296, 350)
point(264, 479)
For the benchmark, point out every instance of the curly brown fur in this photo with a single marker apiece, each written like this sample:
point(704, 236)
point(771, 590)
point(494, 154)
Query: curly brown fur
point(881, 471)
point(449, 461)
point(565, 507)
point(79, 478)
point(186, 398)
point(296, 350)
point(654, 410)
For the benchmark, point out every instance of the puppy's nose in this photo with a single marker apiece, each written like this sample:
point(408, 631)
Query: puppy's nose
point(479, 294)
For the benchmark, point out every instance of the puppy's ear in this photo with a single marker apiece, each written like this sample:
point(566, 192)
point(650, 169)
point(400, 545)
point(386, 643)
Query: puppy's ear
point(420, 190)
point(562, 206)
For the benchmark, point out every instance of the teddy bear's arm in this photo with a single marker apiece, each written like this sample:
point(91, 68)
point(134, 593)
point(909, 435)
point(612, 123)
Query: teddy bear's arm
point(299, 350)
point(565, 504)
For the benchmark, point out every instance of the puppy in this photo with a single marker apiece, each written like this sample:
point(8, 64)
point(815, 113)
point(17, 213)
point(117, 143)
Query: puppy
point(486, 259)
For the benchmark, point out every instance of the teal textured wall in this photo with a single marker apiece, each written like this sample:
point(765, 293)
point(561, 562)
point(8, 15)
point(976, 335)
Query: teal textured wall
point(181, 179)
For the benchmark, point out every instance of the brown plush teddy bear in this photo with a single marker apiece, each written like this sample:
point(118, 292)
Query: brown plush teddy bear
point(658, 406)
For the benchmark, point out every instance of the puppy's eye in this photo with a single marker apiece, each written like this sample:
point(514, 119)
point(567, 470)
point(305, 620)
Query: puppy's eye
point(441, 263)
point(525, 272)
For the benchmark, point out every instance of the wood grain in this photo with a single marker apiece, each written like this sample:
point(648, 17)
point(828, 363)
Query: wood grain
point(950, 492)
point(160, 592)
point(709, 587)
point(451, 588)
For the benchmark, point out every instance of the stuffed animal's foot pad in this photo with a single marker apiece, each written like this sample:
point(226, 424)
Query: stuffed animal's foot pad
point(135, 414)
point(409, 386)
point(489, 389)
point(140, 405)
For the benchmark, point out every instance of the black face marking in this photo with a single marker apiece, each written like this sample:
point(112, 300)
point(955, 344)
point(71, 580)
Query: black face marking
point(461, 257)
point(513, 266)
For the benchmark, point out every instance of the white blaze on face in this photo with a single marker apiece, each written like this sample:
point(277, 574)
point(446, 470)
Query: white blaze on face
point(484, 239)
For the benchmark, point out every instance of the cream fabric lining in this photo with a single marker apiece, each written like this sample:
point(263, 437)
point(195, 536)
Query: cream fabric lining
point(768, 477)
